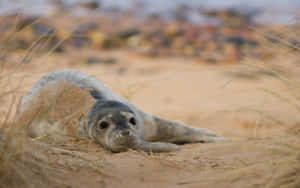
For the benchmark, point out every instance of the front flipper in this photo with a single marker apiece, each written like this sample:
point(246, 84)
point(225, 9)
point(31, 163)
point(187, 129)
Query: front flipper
point(155, 147)
point(158, 129)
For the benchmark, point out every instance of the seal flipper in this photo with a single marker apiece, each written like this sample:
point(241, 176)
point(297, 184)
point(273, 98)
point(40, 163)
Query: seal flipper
point(158, 129)
point(155, 147)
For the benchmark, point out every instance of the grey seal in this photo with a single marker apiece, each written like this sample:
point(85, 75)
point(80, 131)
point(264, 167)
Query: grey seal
point(118, 125)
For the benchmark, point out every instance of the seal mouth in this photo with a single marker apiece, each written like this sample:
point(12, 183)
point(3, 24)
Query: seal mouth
point(122, 141)
point(125, 138)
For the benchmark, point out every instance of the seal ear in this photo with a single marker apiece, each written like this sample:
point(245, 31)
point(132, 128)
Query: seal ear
point(96, 94)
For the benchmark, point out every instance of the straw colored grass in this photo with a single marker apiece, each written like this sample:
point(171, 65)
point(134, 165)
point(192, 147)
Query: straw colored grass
point(40, 147)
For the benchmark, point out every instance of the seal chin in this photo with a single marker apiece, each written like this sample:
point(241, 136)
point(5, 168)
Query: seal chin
point(118, 149)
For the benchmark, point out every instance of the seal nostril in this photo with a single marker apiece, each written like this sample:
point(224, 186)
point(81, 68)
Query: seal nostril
point(125, 133)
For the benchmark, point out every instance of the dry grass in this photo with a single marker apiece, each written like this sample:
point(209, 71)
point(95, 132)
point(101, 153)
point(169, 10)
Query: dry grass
point(27, 162)
point(24, 162)
point(63, 103)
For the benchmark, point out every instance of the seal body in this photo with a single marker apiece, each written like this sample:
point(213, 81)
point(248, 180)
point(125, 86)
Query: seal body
point(117, 124)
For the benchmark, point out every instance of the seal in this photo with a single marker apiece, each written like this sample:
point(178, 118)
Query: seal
point(118, 125)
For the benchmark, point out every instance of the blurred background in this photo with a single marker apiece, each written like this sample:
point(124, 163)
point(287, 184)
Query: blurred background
point(231, 66)
point(211, 32)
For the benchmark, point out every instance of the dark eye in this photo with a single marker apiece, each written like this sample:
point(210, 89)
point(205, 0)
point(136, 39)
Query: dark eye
point(132, 121)
point(103, 125)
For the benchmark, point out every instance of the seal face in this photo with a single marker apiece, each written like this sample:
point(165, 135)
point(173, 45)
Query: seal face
point(113, 125)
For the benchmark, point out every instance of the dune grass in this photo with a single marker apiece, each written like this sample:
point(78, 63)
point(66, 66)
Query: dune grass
point(27, 162)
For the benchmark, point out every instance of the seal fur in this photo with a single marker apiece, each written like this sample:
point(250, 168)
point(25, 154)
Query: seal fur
point(149, 133)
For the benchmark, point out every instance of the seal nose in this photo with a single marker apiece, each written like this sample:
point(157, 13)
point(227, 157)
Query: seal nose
point(125, 133)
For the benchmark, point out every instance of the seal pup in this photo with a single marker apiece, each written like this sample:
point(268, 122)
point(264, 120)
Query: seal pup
point(117, 124)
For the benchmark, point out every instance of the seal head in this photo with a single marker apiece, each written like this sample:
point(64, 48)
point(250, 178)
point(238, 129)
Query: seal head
point(113, 125)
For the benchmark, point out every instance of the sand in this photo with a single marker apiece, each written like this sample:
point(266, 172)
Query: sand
point(255, 111)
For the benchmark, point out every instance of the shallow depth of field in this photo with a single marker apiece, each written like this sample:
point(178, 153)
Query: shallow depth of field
point(226, 69)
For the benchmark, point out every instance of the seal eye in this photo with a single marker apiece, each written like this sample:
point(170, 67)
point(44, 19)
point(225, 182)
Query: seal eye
point(103, 125)
point(132, 121)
